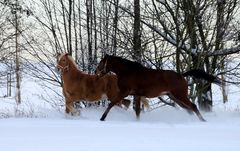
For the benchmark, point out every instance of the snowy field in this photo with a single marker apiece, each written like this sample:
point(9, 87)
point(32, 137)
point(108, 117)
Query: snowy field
point(37, 126)
point(165, 129)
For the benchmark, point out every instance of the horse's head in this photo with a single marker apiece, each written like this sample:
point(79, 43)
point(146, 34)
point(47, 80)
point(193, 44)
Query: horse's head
point(62, 62)
point(102, 67)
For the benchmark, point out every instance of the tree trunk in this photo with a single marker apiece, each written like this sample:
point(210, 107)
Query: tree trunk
point(203, 89)
point(70, 26)
point(65, 24)
point(89, 34)
point(224, 86)
point(75, 33)
point(18, 89)
point(204, 96)
point(115, 27)
point(137, 55)
point(95, 34)
point(80, 37)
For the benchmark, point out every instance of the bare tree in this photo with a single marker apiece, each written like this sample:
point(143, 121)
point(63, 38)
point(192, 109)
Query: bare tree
point(18, 90)
point(16, 9)
point(89, 34)
point(198, 34)
point(137, 55)
point(164, 34)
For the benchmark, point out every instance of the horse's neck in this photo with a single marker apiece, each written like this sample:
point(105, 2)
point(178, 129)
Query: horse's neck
point(118, 70)
point(121, 69)
point(72, 72)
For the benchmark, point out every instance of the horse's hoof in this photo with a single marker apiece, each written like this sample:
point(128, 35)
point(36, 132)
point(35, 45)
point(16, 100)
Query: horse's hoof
point(68, 115)
point(102, 119)
point(76, 113)
point(138, 118)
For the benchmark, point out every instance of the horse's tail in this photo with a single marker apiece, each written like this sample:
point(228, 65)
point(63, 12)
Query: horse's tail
point(145, 102)
point(200, 74)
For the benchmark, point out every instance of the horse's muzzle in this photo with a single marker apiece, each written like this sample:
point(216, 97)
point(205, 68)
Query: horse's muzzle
point(61, 68)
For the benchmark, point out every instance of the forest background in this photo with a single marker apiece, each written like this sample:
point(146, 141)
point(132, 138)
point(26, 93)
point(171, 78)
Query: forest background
point(162, 34)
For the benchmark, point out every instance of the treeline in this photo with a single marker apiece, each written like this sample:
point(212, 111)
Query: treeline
point(164, 34)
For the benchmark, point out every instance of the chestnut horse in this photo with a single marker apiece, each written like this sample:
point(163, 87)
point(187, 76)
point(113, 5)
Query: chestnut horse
point(78, 86)
point(135, 79)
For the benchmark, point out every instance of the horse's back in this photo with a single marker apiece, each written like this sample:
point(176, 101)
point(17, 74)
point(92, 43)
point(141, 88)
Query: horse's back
point(169, 77)
point(106, 85)
point(152, 82)
point(154, 75)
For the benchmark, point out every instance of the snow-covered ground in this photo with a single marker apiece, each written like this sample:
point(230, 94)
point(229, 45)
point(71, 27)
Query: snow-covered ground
point(163, 129)
point(36, 126)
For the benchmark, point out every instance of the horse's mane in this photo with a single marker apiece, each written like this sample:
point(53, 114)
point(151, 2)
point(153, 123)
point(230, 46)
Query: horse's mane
point(70, 59)
point(128, 63)
point(73, 62)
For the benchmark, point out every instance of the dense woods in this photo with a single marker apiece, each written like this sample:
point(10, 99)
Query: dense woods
point(163, 34)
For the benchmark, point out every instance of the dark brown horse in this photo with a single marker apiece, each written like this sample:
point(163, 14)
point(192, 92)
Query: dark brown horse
point(135, 79)
point(78, 86)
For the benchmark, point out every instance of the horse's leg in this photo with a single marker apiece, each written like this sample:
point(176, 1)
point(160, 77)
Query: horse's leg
point(179, 103)
point(68, 104)
point(184, 102)
point(70, 108)
point(110, 105)
point(114, 101)
point(67, 110)
point(137, 100)
point(195, 109)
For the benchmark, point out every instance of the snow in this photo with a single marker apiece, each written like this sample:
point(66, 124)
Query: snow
point(36, 125)
point(170, 131)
